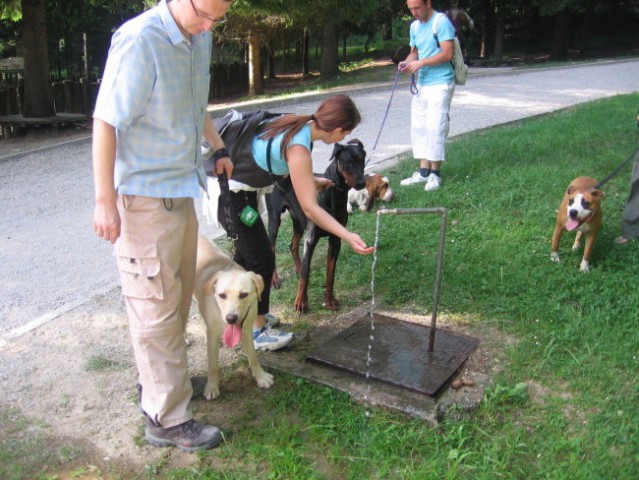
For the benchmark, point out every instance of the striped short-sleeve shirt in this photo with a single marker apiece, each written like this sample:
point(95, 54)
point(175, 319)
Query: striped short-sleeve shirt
point(154, 92)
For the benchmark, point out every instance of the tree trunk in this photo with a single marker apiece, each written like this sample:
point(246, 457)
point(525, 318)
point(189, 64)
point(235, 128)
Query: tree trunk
point(481, 23)
point(559, 36)
point(305, 53)
point(38, 94)
point(270, 61)
point(344, 42)
point(329, 61)
point(586, 28)
point(387, 30)
point(256, 86)
point(498, 53)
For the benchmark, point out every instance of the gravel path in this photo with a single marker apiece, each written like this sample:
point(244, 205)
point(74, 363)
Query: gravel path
point(52, 261)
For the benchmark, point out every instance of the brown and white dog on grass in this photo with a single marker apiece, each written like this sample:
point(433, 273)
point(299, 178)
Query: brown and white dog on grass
point(580, 210)
point(377, 189)
point(227, 296)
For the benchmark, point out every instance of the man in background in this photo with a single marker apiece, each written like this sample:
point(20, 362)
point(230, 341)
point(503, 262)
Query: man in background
point(462, 23)
point(432, 41)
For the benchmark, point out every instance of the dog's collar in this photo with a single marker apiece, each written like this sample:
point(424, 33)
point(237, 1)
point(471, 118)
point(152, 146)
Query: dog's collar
point(587, 219)
point(339, 182)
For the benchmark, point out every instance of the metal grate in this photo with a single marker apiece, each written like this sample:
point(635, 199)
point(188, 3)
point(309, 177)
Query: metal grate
point(399, 353)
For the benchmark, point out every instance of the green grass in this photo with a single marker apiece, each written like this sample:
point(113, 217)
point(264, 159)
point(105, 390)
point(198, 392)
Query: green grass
point(101, 363)
point(574, 334)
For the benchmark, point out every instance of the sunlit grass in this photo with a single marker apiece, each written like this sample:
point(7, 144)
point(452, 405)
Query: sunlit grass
point(574, 335)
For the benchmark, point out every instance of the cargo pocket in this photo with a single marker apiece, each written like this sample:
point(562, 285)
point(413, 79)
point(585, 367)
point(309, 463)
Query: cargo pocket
point(139, 267)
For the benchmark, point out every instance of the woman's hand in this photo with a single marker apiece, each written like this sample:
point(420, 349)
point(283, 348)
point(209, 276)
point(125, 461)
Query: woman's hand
point(358, 245)
point(322, 183)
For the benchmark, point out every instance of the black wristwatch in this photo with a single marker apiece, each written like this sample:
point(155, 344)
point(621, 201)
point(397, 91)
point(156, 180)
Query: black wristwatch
point(220, 153)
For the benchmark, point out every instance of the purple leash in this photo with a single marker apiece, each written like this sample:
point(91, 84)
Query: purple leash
point(387, 108)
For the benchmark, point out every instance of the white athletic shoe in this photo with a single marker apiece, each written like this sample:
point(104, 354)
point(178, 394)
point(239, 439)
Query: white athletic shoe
point(271, 339)
point(414, 179)
point(433, 183)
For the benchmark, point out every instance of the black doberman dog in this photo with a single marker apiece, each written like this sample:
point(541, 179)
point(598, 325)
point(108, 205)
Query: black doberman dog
point(346, 171)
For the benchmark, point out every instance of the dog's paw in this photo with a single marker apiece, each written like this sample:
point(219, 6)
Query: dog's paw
point(584, 267)
point(276, 282)
point(576, 245)
point(301, 305)
point(554, 256)
point(331, 304)
point(211, 391)
point(264, 379)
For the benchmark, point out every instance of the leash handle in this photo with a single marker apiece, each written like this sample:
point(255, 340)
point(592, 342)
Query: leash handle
point(227, 210)
point(413, 85)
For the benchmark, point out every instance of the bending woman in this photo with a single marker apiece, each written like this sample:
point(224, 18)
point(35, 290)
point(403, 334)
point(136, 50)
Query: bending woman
point(290, 138)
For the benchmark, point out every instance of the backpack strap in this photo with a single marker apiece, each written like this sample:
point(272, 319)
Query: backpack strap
point(439, 15)
point(269, 165)
point(284, 185)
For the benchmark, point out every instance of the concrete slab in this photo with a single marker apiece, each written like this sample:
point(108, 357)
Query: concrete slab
point(463, 401)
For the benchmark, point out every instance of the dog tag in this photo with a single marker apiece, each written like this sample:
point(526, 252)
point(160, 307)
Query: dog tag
point(249, 216)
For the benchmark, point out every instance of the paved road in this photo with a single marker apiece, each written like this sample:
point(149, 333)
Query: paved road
point(50, 260)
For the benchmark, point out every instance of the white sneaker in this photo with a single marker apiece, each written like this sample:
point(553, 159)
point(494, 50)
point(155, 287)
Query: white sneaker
point(271, 339)
point(433, 183)
point(414, 179)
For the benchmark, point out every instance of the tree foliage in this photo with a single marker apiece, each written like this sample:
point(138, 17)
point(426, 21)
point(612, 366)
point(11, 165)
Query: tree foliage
point(283, 34)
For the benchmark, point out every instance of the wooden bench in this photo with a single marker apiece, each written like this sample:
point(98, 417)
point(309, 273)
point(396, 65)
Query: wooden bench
point(10, 123)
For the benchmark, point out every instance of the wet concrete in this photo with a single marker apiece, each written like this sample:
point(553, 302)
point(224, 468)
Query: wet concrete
point(476, 372)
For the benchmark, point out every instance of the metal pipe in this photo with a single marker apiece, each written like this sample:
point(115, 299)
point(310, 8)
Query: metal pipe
point(440, 257)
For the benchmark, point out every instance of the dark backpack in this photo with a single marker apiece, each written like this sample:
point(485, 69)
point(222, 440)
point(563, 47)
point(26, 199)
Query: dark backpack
point(238, 130)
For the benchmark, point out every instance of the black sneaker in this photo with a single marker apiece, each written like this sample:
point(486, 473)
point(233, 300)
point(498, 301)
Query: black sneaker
point(189, 436)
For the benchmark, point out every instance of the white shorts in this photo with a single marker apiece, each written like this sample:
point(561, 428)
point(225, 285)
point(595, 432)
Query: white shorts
point(430, 121)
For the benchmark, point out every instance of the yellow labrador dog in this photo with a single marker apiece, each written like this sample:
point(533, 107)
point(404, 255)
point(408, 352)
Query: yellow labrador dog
point(227, 296)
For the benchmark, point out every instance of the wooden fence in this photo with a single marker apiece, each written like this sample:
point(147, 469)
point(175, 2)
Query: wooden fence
point(72, 96)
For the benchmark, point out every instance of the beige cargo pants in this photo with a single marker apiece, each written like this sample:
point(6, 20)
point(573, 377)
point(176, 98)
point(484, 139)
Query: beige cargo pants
point(156, 255)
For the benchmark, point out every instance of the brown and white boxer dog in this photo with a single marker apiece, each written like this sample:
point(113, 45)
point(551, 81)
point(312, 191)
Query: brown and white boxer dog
point(580, 210)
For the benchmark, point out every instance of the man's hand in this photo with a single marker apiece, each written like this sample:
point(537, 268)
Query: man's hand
point(410, 66)
point(106, 221)
point(224, 165)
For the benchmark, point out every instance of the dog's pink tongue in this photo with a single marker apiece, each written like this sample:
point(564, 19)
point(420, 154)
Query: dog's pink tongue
point(571, 224)
point(232, 335)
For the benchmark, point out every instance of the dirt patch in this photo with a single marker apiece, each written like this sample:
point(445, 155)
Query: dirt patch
point(73, 380)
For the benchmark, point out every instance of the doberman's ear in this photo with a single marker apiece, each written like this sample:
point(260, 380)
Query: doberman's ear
point(337, 149)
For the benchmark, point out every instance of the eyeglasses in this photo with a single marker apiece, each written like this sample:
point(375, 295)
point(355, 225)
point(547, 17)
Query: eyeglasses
point(217, 21)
